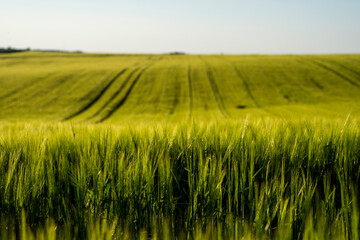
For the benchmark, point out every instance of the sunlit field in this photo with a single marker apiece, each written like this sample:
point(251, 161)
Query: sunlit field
point(172, 88)
point(179, 146)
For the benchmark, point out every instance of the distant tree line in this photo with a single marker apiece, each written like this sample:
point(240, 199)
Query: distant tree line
point(177, 53)
point(56, 50)
point(13, 50)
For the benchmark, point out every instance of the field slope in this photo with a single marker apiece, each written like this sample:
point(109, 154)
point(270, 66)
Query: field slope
point(118, 88)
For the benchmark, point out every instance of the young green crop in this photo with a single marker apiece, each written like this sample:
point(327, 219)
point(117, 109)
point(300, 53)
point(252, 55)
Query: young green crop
point(258, 179)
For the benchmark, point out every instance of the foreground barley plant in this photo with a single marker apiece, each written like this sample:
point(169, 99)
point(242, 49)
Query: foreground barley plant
point(264, 179)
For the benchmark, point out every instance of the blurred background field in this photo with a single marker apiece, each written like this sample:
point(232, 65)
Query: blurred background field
point(150, 88)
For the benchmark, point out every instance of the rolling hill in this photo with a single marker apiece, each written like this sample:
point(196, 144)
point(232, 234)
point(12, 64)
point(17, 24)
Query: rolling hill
point(120, 88)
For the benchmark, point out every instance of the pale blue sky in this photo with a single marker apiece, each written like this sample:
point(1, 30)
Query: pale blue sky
point(160, 26)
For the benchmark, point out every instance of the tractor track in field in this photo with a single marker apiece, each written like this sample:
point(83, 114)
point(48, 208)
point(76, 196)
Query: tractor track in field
point(175, 102)
point(115, 94)
point(59, 81)
point(301, 87)
point(30, 83)
point(98, 95)
point(219, 100)
point(289, 98)
point(121, 102)
point(345, 67)
point(244, 81)
point(247, 89)
point(191, 95)
point(311, 79)
point(333, 71)
point(314, 82)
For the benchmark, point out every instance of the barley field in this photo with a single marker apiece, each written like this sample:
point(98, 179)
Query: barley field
point(96, 146)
